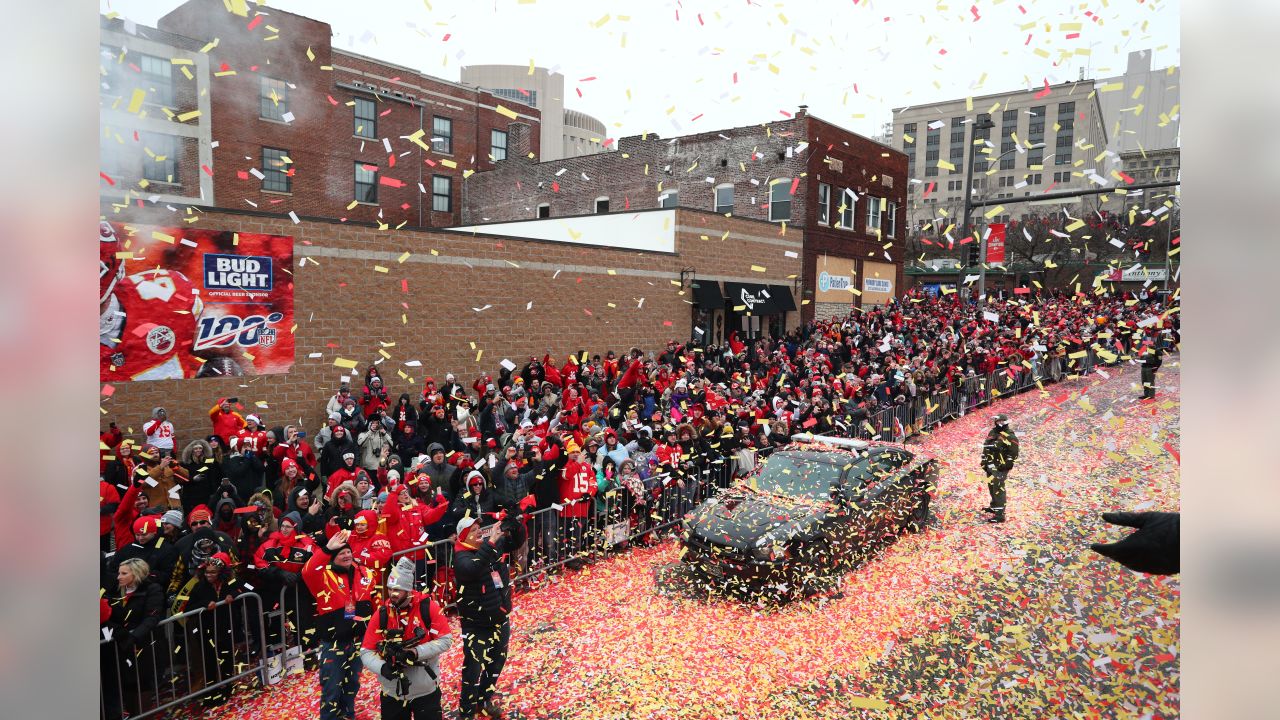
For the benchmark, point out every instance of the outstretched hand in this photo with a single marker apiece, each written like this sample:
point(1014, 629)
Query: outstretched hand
point(1152, 549)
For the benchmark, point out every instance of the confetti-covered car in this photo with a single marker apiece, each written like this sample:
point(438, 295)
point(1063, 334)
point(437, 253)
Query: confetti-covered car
point(810, 511)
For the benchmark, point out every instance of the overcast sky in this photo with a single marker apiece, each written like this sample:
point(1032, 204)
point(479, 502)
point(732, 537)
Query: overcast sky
point(670, 67)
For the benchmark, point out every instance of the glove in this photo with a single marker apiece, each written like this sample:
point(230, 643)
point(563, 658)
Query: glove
point(389, 671)
point(1152, 549)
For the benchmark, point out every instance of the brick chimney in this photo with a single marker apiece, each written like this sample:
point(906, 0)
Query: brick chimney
point(804, 110)
point(518, 140)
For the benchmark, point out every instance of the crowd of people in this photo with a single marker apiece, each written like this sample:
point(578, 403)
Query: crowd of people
point(192, 518)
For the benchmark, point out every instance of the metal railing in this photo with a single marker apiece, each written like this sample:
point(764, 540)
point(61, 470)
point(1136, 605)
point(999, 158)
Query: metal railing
point(276, 641)
point(196, 654)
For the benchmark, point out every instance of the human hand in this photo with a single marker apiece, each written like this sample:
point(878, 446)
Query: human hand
point(338, 540)
point(314, 508)
point(1152, 549)
point(388, 670)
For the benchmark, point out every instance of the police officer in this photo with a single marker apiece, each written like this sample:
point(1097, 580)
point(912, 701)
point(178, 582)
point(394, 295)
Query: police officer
point(998, 453)
point(407, 634)
point(484, 602)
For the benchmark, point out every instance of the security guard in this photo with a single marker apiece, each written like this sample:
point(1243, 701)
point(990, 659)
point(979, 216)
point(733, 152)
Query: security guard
point(998, 453)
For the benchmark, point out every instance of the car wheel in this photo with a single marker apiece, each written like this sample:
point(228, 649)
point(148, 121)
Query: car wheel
point(918, 518)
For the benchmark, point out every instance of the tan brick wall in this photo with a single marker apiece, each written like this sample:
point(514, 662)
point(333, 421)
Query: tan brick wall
point(344, 308)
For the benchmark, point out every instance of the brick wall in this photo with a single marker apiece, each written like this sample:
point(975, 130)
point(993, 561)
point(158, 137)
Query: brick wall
point(320, 139)
point(344, 308)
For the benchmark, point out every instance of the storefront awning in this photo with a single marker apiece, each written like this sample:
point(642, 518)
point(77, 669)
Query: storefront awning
point(706, 295)
point(758, 299)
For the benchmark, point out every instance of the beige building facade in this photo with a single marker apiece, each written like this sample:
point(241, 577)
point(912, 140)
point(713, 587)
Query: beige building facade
point(564, 133)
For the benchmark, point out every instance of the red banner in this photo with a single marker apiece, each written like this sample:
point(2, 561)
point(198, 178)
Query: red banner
point(182, 303)
point(995, 244)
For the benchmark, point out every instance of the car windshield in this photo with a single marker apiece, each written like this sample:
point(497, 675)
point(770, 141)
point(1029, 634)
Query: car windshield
point(809, 476)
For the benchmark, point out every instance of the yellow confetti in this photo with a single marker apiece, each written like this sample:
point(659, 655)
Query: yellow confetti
point(135, 102)
point(403, 257)
point(507, 112)
point(344, 363)
point(757, 268)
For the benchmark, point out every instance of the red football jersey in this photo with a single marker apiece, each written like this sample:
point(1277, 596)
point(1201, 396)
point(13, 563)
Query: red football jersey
point(255, 441)
point(148, 329)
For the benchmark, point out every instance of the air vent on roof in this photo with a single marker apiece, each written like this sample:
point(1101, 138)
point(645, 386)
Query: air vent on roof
point(386, 91)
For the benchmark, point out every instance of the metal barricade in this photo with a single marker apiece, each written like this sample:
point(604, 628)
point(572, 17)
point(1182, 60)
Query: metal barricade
point(199, 653)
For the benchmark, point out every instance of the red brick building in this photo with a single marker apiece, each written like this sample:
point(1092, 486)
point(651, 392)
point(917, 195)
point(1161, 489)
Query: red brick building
point(841, 194)
point(282, 121)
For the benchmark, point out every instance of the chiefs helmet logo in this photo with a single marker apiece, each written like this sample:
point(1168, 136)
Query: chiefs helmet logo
point(161, 340)
point(117, 359)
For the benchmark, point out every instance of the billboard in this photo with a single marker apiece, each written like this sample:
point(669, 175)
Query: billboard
point(837, 277)
point(1135, 274)
point(877, 282)
point(181, 303)
point(995, 244)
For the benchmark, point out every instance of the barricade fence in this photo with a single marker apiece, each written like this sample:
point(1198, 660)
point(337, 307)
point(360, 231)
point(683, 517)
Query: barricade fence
point(200, 653)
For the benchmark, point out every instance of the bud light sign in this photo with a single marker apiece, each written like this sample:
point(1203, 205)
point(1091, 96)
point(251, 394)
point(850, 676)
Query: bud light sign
point(237, 272)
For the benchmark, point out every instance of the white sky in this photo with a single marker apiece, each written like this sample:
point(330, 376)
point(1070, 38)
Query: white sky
point(678, 59)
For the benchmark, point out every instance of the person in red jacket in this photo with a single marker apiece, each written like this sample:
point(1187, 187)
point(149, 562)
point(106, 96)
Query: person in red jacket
point(226, 422)
point(577, 487)
point(406, 521)
point(344, 601)
point(108, 503)
point(109, 440)
point(295, 448)
point(130, 507)
point(345, 474)
point(279, 562)
point(370, 548)
point(253, 439)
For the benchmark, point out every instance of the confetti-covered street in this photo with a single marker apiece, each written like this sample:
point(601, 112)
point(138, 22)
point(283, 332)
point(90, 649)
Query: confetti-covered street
point(965, 620)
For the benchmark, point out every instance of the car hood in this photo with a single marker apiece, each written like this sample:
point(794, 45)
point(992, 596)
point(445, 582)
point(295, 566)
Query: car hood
point(740, 517)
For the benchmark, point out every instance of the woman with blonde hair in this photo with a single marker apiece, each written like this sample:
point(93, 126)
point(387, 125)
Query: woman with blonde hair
point(136, 607)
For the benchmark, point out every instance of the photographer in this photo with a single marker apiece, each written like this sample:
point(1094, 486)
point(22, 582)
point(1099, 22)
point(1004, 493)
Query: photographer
point(484, 602)
point(407, 634)
point(375, 443)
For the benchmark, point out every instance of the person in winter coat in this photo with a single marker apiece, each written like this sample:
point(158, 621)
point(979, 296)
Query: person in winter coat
point(108, 503)
point(407, 634)
point(331, 457)
point(348, 472)
point(279, 562)
point(325, 434)
point(342, 504)
point(343, 593)
point(131, 506)
point(219, 628)
point(403, 414)
point(442, 474)
point(370, 548)
point(474, 500)
point(351, 418)
point(1150, 352)
point(159, 431)
point(226, 422)
point(999, 451)
point(293, 474)
point(578, 485)
point(204, 474)
point(145, 545)
point(136, 607)
point(244, 471)
point(484, 604)
point(437, 428)
point(293, 446)
point(119, 470)
point(409, 444)
point(406, 520)
point(225, 520)
point(166, 472)
point(309, 504)
point(191, 551)
point(339, 400)
point(374, 443)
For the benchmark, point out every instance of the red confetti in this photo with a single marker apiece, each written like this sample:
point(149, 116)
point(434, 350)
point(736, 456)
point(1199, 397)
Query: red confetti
point(254, 22)
point(106, 177)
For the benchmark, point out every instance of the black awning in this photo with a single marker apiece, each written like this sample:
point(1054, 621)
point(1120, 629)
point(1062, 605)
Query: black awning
point(758, 299)
point(706, 295)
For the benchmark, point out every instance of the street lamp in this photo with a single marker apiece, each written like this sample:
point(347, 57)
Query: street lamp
point(982, 123)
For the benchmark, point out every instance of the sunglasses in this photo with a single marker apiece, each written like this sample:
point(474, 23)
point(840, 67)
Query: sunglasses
point(200, 523)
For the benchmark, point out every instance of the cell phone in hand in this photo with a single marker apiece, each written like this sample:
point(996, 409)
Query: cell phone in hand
point(233, 400)
point(302, 434)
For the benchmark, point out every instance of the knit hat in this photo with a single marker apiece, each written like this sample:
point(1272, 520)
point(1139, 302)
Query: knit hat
point(571, 446)
point(465, 527)
point(392, 475)
point(172, 517)
point(402, 576)
point(292, 517)
point(252, 418)
point(221, 557)
point(382, 496)
point(146, 524)
point(348, 455)
point(335, 417)
point(198, 513)
point(474, 477)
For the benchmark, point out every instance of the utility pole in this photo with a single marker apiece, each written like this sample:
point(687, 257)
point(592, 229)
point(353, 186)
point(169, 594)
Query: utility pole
point(979, 124)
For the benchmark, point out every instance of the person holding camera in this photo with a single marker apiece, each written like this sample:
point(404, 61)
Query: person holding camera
point(999, 450)
point(375, 444)
point(407, 634)
point(484, 604)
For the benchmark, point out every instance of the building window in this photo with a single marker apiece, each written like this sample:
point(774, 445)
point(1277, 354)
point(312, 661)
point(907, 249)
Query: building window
point(1009, 117)
point(159, 77)
point(1035, 158)
point(528, 97)
point(1006, 161)
point(1033, 179)
point(780, 200)
point(824, 204)
point(933, 137)
point(544, 210)
point(1035, 126)
point(498, 144)
point(957, 131)
point(366, 120)
point(602, 205)
point(891, 221)
point(273, 99)
point(909, 129)
point(957, 159)
point(275, 170)
point(366, 183)
point(873, 215)
point(161, 163)
point(724, 199)
point(442, 134)
point(1066, 115)
point(441, 193)
point(669, 199)
point(848, 205)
